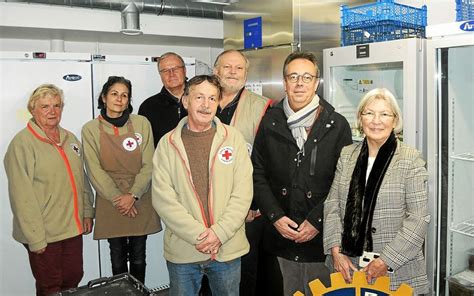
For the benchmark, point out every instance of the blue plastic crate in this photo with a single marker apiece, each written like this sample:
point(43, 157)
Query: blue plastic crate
point(464, 10)
point(381, 21)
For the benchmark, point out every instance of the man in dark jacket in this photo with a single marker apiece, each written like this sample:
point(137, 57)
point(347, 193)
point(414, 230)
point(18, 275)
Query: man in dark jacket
point(294, 157)
point(164, 110)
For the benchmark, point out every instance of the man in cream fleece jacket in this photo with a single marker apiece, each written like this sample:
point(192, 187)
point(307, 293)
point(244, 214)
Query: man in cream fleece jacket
point(202, 190)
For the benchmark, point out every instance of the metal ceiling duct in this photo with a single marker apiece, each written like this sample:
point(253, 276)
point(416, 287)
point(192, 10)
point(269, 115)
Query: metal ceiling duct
point(131, 20)
point(158, 7)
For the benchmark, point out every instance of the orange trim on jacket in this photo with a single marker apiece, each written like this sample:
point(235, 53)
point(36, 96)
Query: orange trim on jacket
point(69, 171)
point(116, 130)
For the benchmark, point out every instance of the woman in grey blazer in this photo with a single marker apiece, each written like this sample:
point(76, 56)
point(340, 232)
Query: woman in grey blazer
point(376, 214)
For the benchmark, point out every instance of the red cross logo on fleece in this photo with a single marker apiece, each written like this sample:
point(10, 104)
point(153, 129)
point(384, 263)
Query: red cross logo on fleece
point(226, 154)
point(139, 138)
point(129, 144)
point(76, 149)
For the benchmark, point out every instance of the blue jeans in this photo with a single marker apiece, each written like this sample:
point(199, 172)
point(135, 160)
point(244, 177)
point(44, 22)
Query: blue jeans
point(224, 277)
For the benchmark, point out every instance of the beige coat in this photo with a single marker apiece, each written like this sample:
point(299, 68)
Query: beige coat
point(49, 193)
point(177, 203)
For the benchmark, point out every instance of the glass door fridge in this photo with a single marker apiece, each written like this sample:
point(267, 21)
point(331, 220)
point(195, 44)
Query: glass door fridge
point(399, 65)
point(450, 93)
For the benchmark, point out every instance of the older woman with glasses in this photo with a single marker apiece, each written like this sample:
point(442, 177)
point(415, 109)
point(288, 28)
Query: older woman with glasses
point(118, 149)
point(376, 215)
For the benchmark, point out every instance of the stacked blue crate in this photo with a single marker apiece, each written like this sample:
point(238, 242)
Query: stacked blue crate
point(464, 10)
point(380, 21)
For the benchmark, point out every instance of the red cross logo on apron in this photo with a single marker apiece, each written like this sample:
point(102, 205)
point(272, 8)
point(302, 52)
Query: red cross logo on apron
point(129, 144)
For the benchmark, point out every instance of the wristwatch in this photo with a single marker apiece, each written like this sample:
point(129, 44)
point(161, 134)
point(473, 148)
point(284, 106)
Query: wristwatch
point(134, 196)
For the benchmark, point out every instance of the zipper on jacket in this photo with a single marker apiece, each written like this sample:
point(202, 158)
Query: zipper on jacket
point(72, 181)
point(312, 167)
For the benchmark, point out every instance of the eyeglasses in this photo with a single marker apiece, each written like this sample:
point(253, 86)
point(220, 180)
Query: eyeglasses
point(384, 116)
point(170, 70)
point(295, 77)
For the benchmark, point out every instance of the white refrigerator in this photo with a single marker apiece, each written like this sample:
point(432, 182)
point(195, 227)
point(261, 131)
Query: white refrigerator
point(20, 74)
point(81, 76)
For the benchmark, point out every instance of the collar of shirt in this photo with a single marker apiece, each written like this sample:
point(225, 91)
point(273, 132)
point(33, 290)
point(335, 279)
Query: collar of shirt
point(225, 114)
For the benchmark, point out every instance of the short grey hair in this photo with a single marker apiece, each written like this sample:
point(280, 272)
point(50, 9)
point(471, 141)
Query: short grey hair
point(385, 95)
point(168, 54)
point(42, 91)
point(247, 63)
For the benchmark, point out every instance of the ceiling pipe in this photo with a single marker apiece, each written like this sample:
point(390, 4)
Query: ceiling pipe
point(158, 7)
point(131, 20)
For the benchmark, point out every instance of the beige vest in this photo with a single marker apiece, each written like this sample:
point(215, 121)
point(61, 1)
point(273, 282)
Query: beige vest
point(249, 113)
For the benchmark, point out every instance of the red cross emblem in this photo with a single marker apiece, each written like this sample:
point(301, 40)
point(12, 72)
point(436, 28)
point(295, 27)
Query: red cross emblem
point(129, 144)
point(139, 138)
point(76, 148)
point(226, 154)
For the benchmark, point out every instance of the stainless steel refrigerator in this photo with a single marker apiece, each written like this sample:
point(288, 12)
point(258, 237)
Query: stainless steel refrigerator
point(267, 31)
point(450, 90)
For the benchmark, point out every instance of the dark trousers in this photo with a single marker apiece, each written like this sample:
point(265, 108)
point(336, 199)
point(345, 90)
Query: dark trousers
point(129, 249)
point(260, 270)
point(250, 261)
point(59, 267)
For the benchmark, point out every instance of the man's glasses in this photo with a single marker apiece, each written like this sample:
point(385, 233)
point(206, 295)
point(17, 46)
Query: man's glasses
point(294, 77)
point(171, 70)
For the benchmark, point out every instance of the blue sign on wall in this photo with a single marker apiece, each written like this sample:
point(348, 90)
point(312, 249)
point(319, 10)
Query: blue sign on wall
point(253, 32)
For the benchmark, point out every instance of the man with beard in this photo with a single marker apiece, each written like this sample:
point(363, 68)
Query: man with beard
point(244, 110)
point(164, 110)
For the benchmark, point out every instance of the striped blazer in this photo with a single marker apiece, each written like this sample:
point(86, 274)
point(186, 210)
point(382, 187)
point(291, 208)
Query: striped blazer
point(400, 218)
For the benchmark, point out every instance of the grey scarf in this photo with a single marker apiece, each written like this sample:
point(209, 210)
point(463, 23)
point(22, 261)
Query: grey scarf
point(301, 120)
